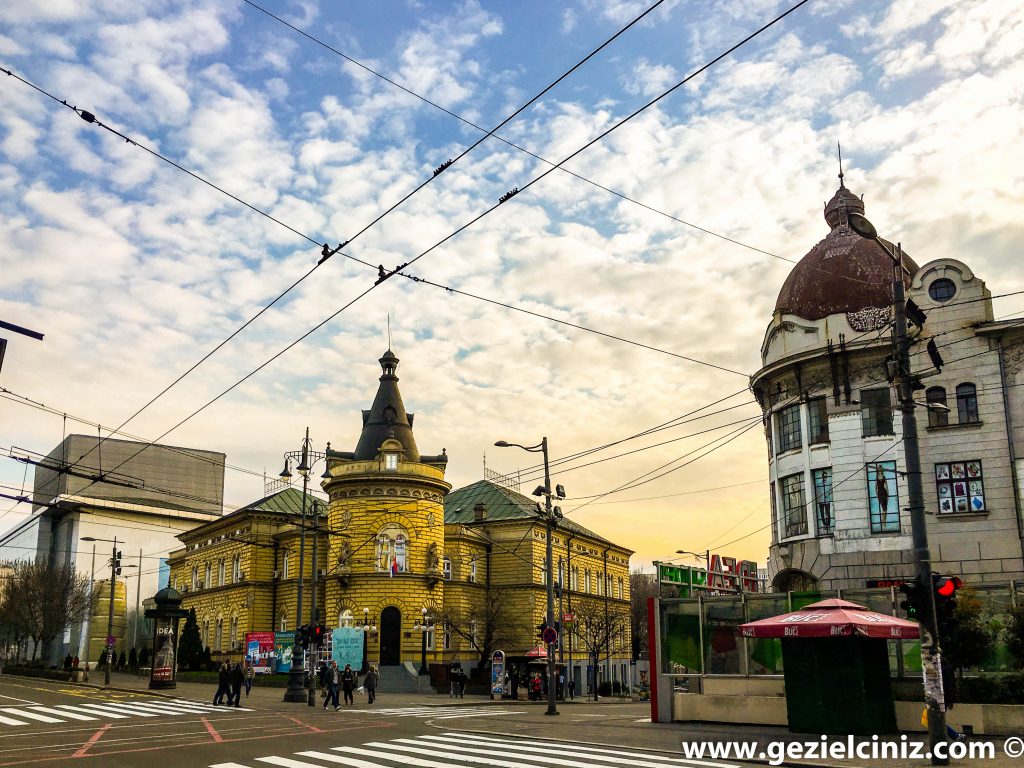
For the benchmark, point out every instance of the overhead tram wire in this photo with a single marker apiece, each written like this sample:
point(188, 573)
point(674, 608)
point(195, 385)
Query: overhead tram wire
point(327, 252)
point(465, 121)
point(471, 222)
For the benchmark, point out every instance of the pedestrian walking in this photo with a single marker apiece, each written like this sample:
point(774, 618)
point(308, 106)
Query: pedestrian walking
point(250, 674)
point(223, 684)
point(348, 683)
point(237, 680)
point(370, 684)
point(572, 688)
point(463, 681)
point(332, 679)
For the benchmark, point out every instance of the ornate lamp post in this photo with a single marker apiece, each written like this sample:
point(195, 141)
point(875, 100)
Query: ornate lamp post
point(424, 626)
point(549, 521)
point(367, 629)
point(115, 571)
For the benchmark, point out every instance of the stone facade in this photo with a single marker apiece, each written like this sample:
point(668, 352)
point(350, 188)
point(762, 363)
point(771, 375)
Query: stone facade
point(837, 466)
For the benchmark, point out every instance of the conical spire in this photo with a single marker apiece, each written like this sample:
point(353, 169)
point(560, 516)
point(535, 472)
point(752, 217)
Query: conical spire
point(387, 418)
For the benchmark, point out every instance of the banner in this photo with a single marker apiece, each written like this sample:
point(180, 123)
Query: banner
point(259, 651)
point(347, 647)
point(284, 644)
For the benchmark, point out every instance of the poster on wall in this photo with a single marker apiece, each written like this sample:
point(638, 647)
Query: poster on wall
point(284, 643)
point(163, 658)
point(260, 651)
point(347, 647)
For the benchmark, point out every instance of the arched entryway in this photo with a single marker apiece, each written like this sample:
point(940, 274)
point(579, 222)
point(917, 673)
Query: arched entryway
point(390, 636)
point(792, 580)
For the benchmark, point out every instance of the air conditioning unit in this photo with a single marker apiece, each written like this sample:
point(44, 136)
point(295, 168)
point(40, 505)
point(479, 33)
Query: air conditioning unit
point(321, 573)
point(277, 574)
point(241, 576)
point(236, 646)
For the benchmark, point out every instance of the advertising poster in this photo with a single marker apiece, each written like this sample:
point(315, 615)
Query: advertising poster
point(284, 645)
point(163, 658)
point(498, 673)
point(347, 647)
point(260, 651)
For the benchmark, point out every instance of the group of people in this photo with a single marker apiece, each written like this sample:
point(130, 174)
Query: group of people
point(459, 680)
point(333, 679)
point(230, 679)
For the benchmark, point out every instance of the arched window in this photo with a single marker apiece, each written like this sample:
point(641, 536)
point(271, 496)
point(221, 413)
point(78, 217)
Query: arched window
point(284, 566)
point(446, 566)
point(392, 550)
point(221, 571)
point(586, 581)
point(208, 580)
point(345, 618)
point(472, 569)
point(218, 637)
point(236, 569)
point(967, 404)
point(195, 577)
point(937, 416)
point(233, 633)
point(282, 621)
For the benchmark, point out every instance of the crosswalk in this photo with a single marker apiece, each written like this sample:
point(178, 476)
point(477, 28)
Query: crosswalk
point(437, 712)
point(52, 714)
point(465, 750)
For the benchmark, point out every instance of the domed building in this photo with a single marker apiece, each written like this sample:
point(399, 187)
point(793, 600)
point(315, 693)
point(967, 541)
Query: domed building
point(836, 460)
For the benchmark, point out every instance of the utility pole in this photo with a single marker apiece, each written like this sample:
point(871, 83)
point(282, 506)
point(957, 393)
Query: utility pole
point(930, 657)
point(114, 568)
point(138, 599)
point(83, 645)
point(314, 618)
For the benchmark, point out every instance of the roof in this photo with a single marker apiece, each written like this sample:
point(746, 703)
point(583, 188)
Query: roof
point(502, 504)
point(387, 418)
point(844, 272)
point(288, 501)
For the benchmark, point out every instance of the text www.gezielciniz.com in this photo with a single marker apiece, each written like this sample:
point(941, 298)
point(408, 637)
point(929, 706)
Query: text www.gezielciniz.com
point(778, 752)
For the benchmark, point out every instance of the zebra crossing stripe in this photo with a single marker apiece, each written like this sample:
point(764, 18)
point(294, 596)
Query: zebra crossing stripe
point(118, 707)
point(353, 762)
point(30, 715)
point(93, 709)
point(530, 747)
point(288, 762)
point(72, 715)
point(11, 721)
point(470, 714)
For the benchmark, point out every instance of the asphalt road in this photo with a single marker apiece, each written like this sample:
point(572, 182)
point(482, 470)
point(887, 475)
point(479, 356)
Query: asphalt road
point(44, 723)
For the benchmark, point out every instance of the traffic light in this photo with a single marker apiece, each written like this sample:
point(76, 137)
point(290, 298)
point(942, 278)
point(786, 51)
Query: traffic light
point(540, 629)
point(117, 562)
point(302, 636)
point(945, 602)
point(915, 601)
point(317, 634)
point(558, 589)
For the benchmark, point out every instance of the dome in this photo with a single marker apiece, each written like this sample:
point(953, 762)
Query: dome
point(844, 273)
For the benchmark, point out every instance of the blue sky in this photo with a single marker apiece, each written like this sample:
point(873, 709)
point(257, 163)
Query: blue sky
point(134, 270)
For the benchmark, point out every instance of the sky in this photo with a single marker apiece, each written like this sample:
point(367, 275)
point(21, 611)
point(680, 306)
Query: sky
point(625, 290)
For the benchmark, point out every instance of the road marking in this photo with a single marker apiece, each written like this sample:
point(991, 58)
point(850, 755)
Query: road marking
point(11, 721)
point(92, 740)
point(31, 715)
point(92, 709)
point(72, 715)
point(212, 731)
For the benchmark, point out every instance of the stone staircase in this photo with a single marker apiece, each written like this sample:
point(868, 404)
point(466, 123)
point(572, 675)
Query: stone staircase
point(401, 678)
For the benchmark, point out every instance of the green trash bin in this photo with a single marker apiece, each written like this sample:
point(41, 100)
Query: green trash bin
point(838, 685)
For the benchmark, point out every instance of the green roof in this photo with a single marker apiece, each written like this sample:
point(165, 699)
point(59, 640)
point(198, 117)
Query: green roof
point(288, 501)
point(501, 504)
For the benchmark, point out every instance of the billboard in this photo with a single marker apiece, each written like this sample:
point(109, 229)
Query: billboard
point(347, 647)
point(259, 650)
point(284, 645)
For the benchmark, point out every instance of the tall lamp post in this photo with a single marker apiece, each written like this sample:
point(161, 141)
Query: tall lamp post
point(367, 629)
point(115, 570)
point(930, 661)
point(549, 520)
point(300, 687)
point(424, 626)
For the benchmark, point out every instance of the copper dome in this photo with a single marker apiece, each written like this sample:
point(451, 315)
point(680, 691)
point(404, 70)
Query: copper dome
point(842, 273)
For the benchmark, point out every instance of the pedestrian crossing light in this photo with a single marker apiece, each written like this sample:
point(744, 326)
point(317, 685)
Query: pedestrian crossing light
point(914, 599)
point(945, 588)
point(317, 631)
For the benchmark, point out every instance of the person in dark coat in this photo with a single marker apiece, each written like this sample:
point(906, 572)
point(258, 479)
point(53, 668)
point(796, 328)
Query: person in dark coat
point(332, 679)
point(223, 685)
point(348, 683)
point(237, 680)
point(370, 684)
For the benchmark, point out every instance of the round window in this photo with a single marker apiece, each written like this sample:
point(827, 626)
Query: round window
point(942, 289)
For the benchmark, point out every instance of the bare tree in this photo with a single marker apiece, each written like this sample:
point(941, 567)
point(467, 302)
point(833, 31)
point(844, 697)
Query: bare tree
point(43, 599)
point(598, 629)
point(641, 587)
point(488, 624)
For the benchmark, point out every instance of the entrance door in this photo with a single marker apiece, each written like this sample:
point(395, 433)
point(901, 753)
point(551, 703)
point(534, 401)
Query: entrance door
point(390, 636)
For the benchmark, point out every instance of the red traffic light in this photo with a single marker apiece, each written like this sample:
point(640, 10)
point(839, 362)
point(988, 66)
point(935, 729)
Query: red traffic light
point(948, 585)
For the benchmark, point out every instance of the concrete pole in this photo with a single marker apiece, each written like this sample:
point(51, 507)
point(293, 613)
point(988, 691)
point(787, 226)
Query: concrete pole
point(549, 558)
point(138, 600)
point(83, 644)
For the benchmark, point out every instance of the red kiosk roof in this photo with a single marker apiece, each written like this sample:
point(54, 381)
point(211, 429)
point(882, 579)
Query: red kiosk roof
point(833, 618)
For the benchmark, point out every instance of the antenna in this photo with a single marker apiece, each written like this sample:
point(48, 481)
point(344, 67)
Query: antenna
point(840, 151)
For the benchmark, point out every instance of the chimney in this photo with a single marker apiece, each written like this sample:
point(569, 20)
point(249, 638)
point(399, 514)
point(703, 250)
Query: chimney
point(479, 512)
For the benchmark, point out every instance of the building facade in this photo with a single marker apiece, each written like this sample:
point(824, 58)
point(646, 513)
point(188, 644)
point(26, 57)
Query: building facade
point(143, 495)
point(437, 575)
point(837, 467)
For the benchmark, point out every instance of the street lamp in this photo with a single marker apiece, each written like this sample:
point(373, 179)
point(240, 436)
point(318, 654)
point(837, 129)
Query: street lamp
point(367, 629)
point(549, 520)
point(424, 626)
point(931, 661)
point(300, 688)
point(115, 569)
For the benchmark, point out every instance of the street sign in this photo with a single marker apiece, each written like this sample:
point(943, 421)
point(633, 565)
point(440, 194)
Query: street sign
point(550, 635)
point(568, 618)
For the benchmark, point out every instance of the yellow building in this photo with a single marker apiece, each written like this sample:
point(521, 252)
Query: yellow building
point(438, 576)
